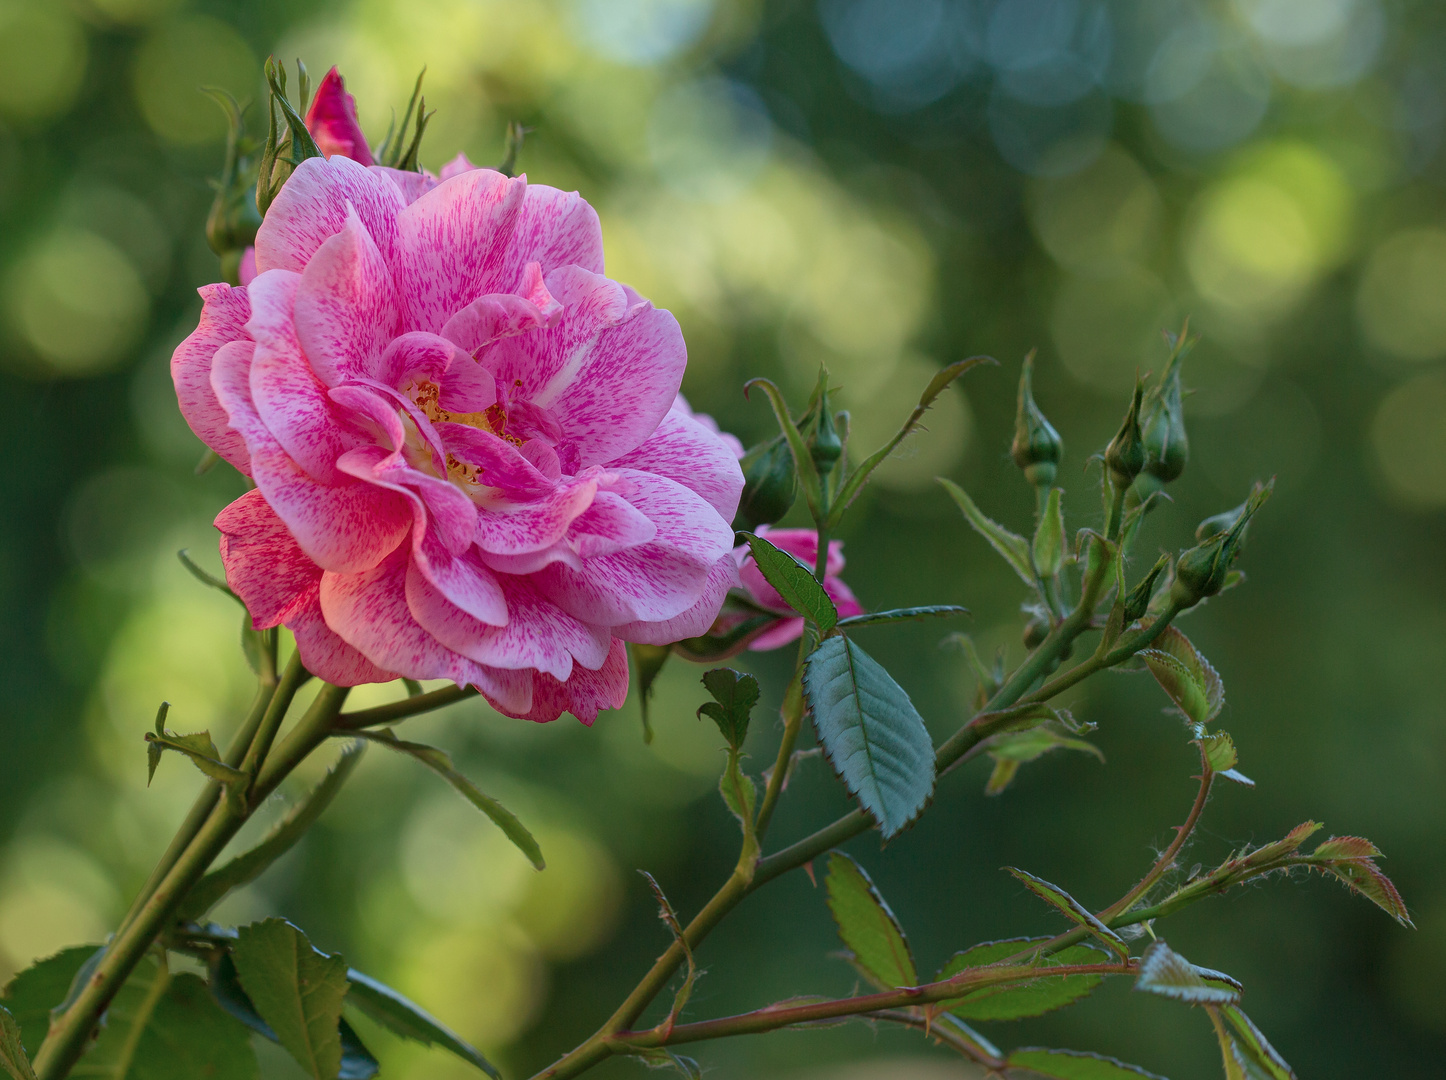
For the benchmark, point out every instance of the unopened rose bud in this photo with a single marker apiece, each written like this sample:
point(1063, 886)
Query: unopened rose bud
point(770, 484)
point(1125, 455)
point(1202, 571)
point(824, 444)
point(332, 121)
point(1167, 447)
point(1037, 447)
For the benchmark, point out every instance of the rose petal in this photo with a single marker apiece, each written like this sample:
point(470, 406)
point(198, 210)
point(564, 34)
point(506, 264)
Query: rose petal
point(694, 622)
point(223, 319)
point(264, 564)
point(313, 205)
point(684, 450)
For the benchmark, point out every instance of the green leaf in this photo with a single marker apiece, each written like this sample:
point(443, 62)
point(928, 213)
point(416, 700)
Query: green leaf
point(1014, 1001)
point(869, 618)
point(409, 1020)
point(1165, 972)
point(795, 583)
point(249, 865)
point(1185, 675)
point(13, 1058)
point(860, 476)
point(167, 1027)
point(1365, 877)
point(1071, 908)
point(1015, 748)
point(297, 990)
point(871, 733)
point(867, 926)
point(200, 748)
point(648, 661)
point(1220, 752)
point(1076, 1065)
point(1013, 547)
point(1346, 847)
point(1278, 849)
point(32, 993)
point(1049, 536)
point(441, 764)
point(734, 696)
point(1254, 1047)
point(357, 1062)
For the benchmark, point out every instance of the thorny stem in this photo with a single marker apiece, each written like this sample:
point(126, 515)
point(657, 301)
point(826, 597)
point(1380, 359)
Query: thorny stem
point(793, 711)
point(70, 1031)
point(1049, 652)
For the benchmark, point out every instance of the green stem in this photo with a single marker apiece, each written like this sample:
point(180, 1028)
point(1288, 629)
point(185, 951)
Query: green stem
point(400, 710)
point(793, 710)
point(291, 682)
point(71, 1031)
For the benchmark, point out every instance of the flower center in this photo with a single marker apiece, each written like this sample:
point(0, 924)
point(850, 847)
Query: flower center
point(427, 397)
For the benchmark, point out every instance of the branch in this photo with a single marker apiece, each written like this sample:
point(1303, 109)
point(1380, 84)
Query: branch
point(400, 710)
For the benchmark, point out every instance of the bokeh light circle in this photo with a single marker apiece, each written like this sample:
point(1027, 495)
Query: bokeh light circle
point(1043, 140)
point(42, 60)
point(177, 58)
point(1108, 328)
point(1408, 435)
point(1401, 303)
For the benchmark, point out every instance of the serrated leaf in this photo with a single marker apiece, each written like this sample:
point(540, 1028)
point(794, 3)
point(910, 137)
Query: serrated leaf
point(1013, 1001)
point(1238, 777)
point(1185, 675)
point(404, 1017)
point(1016, 748)
point(167, 1027)
point(1220, 752)
point(930, 611)
point(1365, 877)
point(1071, 908)
point(1165, 972)
point(357, 1062)
point(1278, 849)
point(1049, 536)
point(200, 748)
point(32, 993)
point(1346, 847)
point(1011, 546)
point(867, 926)
point(297, 990)
point(13, 1058)
point(734, 696)
point(648, 661)
point(1231, 1057)
point(249, 865)
point(1076, 1065)
point(1255, 1048)
point(440, 762)
point(794, 582)
point(871, 733)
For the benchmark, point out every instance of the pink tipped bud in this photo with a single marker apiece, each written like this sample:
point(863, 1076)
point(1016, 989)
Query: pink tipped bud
point(332, 121)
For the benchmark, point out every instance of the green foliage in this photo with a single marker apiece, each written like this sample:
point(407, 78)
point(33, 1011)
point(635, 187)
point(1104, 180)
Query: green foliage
point(648, 661)
point(1165, 972)
point(1363, 876)
point(32, 993)
point(1184, 674)
point(167, 1027)
point(1049, 542)
point(1014, 1001)
point(1071, 908)
point(734, 696)
point(1015, 748)
point(868, 928)
point(802, 460)
point(1125, 455)
point(404, 1017)
point(251, 864)
point(1220, 752)
point(1076, 1065)
point(872, 618)
point(13, 1058)
point(1037, 447)
point(1012, 547)
point(871, 733)
point(795, 583)
point(1204, 570)
point(297, 990)
point(770, 484)
point(441, 764)
point(1253, 1048)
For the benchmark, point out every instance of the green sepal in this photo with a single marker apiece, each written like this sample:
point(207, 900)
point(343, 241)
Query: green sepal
point(870, 732)
point(440, 762)
point(867, 926)
point(802, 459)
point(206, 578)
point(648, 661)
point(1049, 536)
point(734, 696)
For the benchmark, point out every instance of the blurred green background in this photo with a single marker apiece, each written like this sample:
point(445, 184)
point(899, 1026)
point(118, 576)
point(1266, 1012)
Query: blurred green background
point(883, 186)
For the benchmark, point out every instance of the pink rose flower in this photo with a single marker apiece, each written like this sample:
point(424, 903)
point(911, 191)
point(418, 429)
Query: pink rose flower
point(467, 456)
point(333, 123)
point(802, 544)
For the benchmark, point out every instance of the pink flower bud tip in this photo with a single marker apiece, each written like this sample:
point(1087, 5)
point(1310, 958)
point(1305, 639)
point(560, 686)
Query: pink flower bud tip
point(333, 123)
